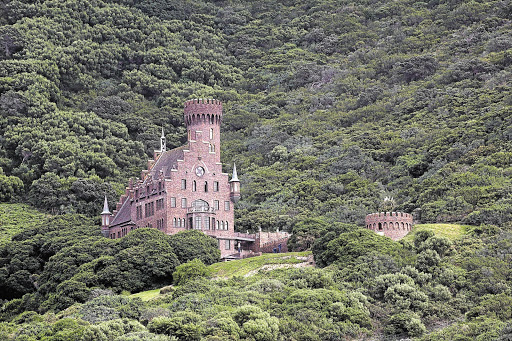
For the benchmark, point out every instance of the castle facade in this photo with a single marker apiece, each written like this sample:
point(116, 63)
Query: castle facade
point(185, 188)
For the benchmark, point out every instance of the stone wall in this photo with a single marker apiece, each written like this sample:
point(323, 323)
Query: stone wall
point(394, 225)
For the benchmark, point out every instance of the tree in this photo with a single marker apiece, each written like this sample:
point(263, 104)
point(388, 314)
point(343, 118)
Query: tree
point(189, 271)
point(192, 244)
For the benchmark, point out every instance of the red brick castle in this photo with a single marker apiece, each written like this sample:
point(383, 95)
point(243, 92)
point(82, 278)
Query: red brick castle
point(185, 188)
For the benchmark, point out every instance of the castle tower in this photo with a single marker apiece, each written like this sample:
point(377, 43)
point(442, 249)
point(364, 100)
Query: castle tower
point(394, 225)
point(202, 118)
point(234, 186)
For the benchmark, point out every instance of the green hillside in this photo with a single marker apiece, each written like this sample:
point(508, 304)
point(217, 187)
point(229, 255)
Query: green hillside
point(248, 266)
point(329, 107)
point(14, 218)
point(450, 231)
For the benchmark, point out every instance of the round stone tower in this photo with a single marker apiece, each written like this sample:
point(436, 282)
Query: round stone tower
point(394, 225)
point(202, 119)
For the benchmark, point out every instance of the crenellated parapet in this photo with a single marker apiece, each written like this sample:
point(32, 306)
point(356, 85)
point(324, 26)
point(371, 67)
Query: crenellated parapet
point(394, 225)
point(203, 110)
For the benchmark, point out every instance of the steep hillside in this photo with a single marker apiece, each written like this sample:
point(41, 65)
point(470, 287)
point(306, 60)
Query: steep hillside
point(329, 106)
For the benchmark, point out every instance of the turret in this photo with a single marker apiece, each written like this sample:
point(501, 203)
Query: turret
point(162, 141)
point(234, 186)
point(105, 218)
point(202, 118)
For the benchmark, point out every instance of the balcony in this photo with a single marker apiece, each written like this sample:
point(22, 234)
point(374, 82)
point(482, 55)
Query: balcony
point(200, 210)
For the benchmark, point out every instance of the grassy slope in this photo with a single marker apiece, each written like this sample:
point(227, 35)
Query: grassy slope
point(240, 268)
point(147, 295)
point(16, 217)
point(451, 231)
point(244, 266)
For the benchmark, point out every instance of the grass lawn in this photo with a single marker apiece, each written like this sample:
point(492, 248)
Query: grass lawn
point(244, 266)
point(146, 295)
point(450, 231)
point(240, 268)
point(15, 218)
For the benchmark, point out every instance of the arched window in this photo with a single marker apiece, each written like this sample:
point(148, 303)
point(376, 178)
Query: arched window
point(194, 188)
point(174, 224)
point(211, 133)
point(385, 226)
point(227, 227)
point(200, 206)
point(206, 186)
point(397, 225)
point(380, 226)
point(218, 224)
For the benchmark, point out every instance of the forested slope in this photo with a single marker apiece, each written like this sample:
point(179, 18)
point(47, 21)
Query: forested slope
point(329, 106)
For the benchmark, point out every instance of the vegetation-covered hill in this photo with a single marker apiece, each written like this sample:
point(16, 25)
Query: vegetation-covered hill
point(329, 106)
point(429, 288)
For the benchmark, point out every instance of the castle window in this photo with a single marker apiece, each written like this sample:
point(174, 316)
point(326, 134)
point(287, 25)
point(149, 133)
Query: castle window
point(227, 227)
point(183, 184)
point(173, 201)
point(218, 224)
point(159, 186)
point(206, 186)
point(206, 223)
point(183, 202)
point(183, 222)
point(226, 205)
point(216, 205)
point(227, 244)
point(194, 186)
point(197, 224)
point(211, 133)
point(215, 186)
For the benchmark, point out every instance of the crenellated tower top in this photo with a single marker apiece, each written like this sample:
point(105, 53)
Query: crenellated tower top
point(203, 118)
point(203, 110)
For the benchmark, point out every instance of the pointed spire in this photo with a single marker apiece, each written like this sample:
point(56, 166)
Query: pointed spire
point(105, 206)
point(235, 176)
point(162, 141)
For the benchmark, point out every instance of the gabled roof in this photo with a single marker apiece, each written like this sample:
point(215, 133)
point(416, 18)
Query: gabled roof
point(167, 161)
point(124, 214)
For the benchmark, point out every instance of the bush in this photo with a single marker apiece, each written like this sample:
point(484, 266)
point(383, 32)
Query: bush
point(405, 323)
point(184, 326)
point(192, 244)
point(189, 271)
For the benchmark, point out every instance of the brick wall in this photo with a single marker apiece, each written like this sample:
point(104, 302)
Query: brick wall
point(394, 225)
